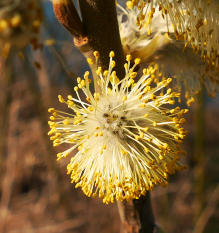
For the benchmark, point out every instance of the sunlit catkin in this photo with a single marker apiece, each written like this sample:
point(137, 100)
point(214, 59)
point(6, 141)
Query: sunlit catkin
point(124, 139)
point(168, 33)
point(194, 21)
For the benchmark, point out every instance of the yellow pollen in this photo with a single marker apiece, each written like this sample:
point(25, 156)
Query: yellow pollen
point(90, 108)
point(61, 100)
point(113, 64)
point(51, 110)
point(128, 57)
point(105, 73)
point(124, 98)
point(137, 61)
point(146, 150)
point(90, 61)
point(129, 5)
point(96, 54)
point(96, 96)
point(52, 118)
point(16, 20)
point(112, 54)
point(4, 24)
point(145, 129)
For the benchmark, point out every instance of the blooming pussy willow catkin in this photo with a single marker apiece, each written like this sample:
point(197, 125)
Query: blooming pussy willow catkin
point(194, 21)
point(19, 23)
point(127, 139)
point(163, 32)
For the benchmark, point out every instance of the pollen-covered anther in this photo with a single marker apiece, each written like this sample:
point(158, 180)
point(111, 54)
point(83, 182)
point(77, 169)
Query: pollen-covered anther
point(154, 123)
point(96, 96)
point(61, 100)
point(137, 61)
point(51, 110)
point(124, 98)
point(90, 61)
point(112, 54)
point(96, 54)
point(128, 57)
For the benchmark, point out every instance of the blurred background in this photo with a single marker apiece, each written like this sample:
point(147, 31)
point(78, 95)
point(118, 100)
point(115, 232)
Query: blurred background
point(36, 195)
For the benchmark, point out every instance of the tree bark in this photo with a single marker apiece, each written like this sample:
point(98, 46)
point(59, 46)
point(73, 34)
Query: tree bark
point(137, 215)
point(101, 27)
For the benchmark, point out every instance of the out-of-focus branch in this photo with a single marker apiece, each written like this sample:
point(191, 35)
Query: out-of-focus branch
point(137, 215)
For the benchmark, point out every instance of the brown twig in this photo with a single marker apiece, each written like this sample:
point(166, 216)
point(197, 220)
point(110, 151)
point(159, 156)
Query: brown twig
point(98, 31)
point(137, 215)
point(102, 31)
point(67, 15)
